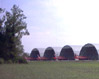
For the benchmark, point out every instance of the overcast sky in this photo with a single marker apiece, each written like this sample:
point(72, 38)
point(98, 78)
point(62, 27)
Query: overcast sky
point(58, 22)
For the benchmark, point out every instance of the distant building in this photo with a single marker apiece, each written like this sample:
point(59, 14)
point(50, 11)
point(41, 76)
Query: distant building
point(49, 53)
point(67, 53)
point(35, 54)
point(89, 51)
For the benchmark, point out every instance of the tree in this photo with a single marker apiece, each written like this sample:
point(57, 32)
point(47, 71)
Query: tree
point(25, 55)
point(14, 29)
point(2, 34)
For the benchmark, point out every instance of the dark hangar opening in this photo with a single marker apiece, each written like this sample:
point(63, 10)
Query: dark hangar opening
point(49, 53)
point(67, 52)
point(89, 51)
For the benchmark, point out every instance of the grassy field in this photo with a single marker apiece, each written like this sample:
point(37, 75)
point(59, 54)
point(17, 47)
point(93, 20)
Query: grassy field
point(51, 70)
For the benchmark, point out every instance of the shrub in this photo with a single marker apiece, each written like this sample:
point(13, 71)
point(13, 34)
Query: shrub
point(20, 60)
point(9, 62)
point(15, 60)
point(1, 61)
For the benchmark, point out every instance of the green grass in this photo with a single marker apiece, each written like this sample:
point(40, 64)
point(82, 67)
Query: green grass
point(51, 70)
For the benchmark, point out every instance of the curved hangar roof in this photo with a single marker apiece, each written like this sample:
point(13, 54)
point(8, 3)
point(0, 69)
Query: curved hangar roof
point(89, 51)
point(35, 53)
point(67, 52)
point(49, 53)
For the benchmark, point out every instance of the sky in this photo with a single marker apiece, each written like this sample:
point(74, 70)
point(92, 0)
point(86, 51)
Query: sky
point(57, 23)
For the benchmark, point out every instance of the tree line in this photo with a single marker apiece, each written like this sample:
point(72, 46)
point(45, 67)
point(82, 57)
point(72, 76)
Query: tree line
point(12, 28)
